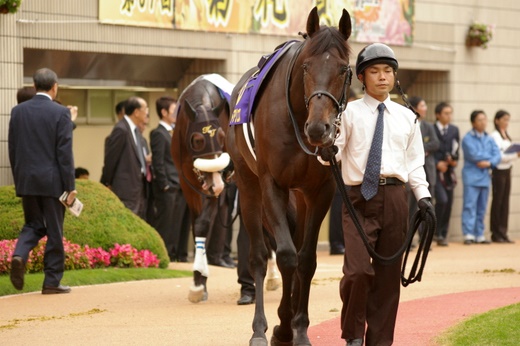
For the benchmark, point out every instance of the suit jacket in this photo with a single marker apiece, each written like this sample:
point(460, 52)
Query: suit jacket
point(431, 145)
point(165, 172)
point(40, 148)
point(449, 145)
point(122, 167)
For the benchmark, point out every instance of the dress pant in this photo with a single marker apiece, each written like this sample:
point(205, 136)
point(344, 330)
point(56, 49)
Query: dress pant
point(443, 204)
point(43, 217)
point(172, 221)
point(501, 182)
point(369, 290)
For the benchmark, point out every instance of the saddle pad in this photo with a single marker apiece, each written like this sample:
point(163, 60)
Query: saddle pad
point(246, 98)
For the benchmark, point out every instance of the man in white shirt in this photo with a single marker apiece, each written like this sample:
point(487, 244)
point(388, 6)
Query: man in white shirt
point(370, 290)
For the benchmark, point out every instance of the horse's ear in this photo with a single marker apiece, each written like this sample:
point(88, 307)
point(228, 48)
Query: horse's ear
point(190, 111)
point(218, 109)
point(345, 24)
point(313, 22)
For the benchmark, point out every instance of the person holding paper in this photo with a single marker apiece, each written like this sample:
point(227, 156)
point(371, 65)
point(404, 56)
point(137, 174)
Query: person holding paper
point(40, 153)
point(501, 180)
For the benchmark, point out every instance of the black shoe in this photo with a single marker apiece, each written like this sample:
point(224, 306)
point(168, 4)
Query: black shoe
point(245, 300)
point(17, 272)
point(355, 342)
point(55, 290)
point(182, 259)
point(222, 263)
point(442, 242)
point(229, 261)
point(337, 251)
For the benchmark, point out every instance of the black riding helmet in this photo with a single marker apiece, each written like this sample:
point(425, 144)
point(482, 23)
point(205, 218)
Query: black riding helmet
point(375, 53)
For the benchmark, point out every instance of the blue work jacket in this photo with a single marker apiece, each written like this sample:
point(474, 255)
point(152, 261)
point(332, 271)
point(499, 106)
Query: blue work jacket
point(478, 147)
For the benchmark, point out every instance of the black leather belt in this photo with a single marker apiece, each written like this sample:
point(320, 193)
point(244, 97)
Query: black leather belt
point(390, 181)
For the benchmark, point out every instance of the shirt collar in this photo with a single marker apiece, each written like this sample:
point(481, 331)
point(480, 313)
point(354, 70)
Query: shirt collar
point(131, 123)
point(372, 103)
point(166, 125)
point(44, 94)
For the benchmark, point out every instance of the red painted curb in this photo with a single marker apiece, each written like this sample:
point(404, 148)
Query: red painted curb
point(418, 321)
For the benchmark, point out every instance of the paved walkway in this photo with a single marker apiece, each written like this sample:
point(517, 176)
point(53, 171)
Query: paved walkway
point(459, 281)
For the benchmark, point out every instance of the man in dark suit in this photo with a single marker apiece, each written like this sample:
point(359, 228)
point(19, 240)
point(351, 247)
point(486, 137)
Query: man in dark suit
point(446, 159)
point(40, 153)
point(172, 219)
point(124, 170)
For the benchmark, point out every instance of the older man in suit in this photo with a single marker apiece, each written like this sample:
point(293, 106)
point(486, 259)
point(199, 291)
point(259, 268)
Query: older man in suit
point(40, 153)
point(124, 170)
point(172, 219)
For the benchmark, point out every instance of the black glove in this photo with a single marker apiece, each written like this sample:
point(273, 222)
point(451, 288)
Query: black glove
point(425, 205)
point(328, 153)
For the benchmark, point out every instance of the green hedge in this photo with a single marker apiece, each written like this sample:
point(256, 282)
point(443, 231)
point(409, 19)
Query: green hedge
point(103, 222)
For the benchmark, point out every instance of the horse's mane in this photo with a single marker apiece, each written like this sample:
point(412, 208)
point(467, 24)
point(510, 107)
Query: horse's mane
point(327, 38)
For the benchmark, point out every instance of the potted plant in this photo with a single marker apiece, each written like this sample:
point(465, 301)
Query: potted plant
point(9, 6)
point(479, 35)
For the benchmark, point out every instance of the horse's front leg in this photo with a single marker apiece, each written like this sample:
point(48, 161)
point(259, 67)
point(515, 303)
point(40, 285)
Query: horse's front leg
point(250, 210)
point(274, 202)
point(316, 209)
point(198, 292)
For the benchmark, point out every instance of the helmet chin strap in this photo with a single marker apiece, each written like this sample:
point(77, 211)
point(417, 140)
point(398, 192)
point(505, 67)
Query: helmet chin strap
point(405, 100)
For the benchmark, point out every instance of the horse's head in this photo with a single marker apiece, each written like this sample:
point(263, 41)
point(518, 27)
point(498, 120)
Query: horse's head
point(326, 77)
point(205, 142)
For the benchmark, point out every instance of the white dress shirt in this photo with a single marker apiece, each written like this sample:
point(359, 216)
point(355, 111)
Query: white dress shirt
point(503, 143)
point(403, 150)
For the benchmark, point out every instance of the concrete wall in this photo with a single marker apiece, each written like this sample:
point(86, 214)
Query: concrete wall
point(438, 65)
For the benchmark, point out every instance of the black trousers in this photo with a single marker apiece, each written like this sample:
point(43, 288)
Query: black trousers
point(172, 221)
point(501, 183)
point(43, 217)
point(443, 204)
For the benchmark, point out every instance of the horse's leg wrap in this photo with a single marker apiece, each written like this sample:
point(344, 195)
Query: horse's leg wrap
point(273, 277)
point(198, 291)
point(200, 263)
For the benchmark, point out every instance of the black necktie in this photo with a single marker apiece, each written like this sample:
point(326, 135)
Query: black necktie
point(139, 144)
point(373, 169)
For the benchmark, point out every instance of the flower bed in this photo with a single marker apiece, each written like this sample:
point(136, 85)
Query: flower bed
point(81, 257)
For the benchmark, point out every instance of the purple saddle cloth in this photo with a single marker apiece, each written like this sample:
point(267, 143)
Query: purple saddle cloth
point(246, 98)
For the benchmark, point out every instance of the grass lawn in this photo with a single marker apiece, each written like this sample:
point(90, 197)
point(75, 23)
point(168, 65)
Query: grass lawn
point(498, 327)
point(33, 282)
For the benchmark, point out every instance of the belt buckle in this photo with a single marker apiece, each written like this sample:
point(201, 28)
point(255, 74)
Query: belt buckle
point(382, 181)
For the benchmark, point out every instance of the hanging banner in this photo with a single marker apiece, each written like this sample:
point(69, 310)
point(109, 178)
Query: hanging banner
point(386, 21)
point(149, 13)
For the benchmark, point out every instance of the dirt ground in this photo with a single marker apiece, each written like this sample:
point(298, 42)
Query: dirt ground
point(158, 312)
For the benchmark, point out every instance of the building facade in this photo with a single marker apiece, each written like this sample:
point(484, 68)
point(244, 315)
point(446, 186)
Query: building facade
point(101, 59)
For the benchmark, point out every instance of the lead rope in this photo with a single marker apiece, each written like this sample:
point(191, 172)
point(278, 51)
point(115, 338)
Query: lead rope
point(419, 217)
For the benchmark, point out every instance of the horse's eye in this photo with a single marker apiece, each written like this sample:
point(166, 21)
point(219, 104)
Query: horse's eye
point(305, 67)
point(197, 141)
point(344, 69)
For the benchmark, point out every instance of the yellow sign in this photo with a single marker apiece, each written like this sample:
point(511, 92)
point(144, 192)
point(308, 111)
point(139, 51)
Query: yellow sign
point(386, 21)
point(149, 13)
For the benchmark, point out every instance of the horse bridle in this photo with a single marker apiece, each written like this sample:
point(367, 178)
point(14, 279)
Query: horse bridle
point(341, 105)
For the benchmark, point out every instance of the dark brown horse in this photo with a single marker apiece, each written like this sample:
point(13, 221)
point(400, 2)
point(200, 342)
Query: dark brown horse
point(198, 153)
point(296, 108)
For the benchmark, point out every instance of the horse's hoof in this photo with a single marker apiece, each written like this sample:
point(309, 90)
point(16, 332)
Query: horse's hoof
point(277, 342)
point(197, 294)
point(273, 284)
point(258, 342)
